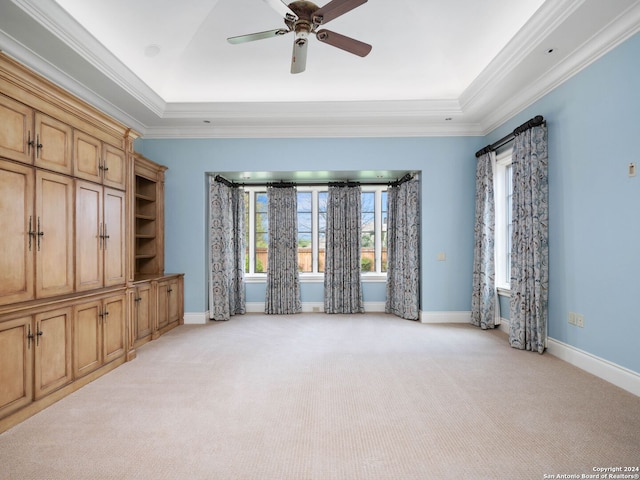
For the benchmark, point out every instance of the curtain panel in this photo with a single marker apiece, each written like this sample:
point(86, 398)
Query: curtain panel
point(342, 285)
point(483, 299)
point(530, 241)
point(403, 250)
point(226, 251)
point(283, 283)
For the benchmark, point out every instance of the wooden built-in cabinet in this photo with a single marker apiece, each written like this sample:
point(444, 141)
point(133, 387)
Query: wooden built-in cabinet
point(36, 221)
point(35, 354)
point(99, 333)
point(100, 236)
point(82, 281)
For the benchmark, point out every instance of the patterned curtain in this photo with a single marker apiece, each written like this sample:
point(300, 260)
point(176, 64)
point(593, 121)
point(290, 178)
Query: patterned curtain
point(403, 250)
point(530, 247)
point(283, 284)
point(483, 299)
point(226, 251)
point(342, 288)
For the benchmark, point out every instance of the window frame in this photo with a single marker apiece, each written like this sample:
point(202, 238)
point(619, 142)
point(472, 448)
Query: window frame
point(310, 277)
point(502, 219)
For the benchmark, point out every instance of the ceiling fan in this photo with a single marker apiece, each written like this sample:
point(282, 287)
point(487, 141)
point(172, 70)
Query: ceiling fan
point(304, 18)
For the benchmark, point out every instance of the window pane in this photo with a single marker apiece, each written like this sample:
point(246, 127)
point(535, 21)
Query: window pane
point(322, 228)
point(368, 225)
point(261, 233)
point(305, 253)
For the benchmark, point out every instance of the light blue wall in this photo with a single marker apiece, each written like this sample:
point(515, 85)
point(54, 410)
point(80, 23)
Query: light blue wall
point(593, 123)
point(448, 176)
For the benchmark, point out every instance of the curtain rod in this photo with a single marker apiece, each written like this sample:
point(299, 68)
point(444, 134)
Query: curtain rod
point(283, 184)
point(534, 122)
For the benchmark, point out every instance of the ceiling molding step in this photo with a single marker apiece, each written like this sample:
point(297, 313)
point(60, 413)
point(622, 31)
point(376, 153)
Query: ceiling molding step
point(59, 23)
point(283, 110)
point(615, 33)
point(334, 130)
point(546, 19)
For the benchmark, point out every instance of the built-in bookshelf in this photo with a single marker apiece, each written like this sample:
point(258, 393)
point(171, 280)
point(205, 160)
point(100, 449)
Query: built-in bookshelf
point(149, 217)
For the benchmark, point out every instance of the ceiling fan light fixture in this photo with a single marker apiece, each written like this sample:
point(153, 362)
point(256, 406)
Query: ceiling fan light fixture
point(304, 17)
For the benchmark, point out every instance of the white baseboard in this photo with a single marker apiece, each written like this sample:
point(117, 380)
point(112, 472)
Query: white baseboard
point(445, 317)
point(609, 371)
point(196, 318)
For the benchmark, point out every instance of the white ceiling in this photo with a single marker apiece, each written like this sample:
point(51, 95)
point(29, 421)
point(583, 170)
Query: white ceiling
point(456, 67)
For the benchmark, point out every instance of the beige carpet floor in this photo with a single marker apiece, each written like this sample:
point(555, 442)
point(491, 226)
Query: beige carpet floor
point(330, 397)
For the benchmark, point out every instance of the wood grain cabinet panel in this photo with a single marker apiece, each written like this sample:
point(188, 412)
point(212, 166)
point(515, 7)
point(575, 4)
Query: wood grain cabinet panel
point(16, 242)
point(52, 351)
point(16, 374)
point(17, 130)
point(53, 239)
point(99, 333)
point(53, 144)
point(114, 167)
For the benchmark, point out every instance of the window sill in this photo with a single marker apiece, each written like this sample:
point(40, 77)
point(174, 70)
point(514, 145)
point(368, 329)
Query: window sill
point(504, 291)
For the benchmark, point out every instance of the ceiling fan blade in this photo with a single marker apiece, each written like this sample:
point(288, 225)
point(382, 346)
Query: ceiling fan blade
point(299, 56)
point(347, 44)
point(283, 9)
point(334, 9)
point(257, 36)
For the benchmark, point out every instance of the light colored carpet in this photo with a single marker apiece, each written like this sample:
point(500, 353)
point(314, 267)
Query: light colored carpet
point(324, 397)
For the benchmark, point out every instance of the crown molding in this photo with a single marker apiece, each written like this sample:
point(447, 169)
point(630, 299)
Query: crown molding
point(606, 39)
point(316, 129)
point(548, 17)
point(56, 20)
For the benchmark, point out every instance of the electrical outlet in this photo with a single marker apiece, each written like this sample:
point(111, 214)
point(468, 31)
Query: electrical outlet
point(632, 169)
point(579, 320)
point(572, 318)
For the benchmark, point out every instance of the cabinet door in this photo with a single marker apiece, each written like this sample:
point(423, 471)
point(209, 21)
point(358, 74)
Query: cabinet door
point(114, 238)
point(113, 317)
point(114, 169)
point(16, 132)
point(16, 243)
point(87, 337)
point(16, 377)
point(173, 300)
point(143, 319)
point(52, 351)
point(163, 304)
point(86, 157)
point(53, 144)
point(54, 234)
point(88, 236)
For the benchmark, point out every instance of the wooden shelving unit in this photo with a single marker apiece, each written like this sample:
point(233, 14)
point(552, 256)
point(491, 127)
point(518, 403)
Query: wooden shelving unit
point(149, 217)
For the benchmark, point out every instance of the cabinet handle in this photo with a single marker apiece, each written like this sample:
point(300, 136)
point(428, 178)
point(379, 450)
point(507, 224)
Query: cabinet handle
point(32, 233)
point(29, 338)
point(39, 334)
point(169, 290)
point(137, 299)
point(105, 236)
point(39, 233)
point(30, 144)
point(38, 146)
